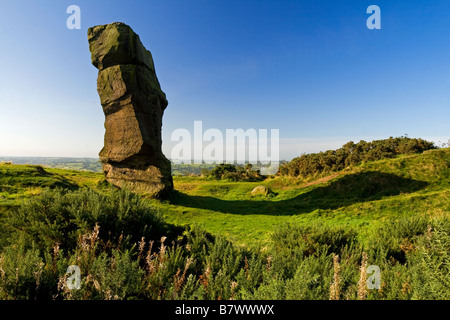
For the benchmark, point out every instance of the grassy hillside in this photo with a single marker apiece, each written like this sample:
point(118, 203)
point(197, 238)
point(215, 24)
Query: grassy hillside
point(357, 196)
point(306, 240)
point(18, 182)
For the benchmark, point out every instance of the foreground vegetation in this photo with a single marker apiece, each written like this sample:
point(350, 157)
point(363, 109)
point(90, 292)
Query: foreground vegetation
point(355, 197)
point(125, 250)
point(308, 239)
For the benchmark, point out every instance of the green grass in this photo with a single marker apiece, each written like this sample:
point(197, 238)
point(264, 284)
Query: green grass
point(358, 196)
point(19, 182)
point(391, 213)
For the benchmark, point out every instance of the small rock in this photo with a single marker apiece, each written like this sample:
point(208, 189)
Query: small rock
point(261, 190)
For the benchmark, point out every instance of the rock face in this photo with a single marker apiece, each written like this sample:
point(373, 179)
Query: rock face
point(133, 104)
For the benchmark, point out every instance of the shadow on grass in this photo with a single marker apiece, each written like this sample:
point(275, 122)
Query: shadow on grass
point(345, 191)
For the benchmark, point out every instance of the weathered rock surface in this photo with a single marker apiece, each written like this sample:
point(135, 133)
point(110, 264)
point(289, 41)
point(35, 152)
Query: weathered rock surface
point(262, 190)
point(133, 104)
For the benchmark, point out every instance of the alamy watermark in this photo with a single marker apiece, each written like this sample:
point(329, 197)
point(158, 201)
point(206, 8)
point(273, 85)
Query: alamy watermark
point(374, 21)
point(74, 20)
point(374, 280)
point(74, 279)
point(236, 146)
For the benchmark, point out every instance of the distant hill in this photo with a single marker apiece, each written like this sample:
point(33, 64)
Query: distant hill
point(307, 166)
point(82, 164)
point(94, 165)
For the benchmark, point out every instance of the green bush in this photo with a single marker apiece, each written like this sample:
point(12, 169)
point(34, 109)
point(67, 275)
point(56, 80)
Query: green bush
point(235, 173)
point(392, 239)
point(431, 273)
point(312, 279)
point(61, 217)
point(314, 164)
point(20, 266)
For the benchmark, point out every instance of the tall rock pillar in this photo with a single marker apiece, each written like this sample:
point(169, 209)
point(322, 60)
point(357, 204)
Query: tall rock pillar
point(133, 104)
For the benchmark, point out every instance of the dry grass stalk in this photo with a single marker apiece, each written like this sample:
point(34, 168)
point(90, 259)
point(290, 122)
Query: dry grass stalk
point(108, 295)
point(429, 234)
point(94, 235)
point(162, 250)
point(269, 263)
point(2, 271)
point(37, 275)
point(204, 278)
point(55, 256)
point(334, 288)
point(234, 285)
point(149, 259)
point(2, 276)
point(119, 242)
point(88, 241)
point(362, 284)
point(56, 250)
point(141, 247)
point(180, 280)
point(246, 268)
point(63, 289)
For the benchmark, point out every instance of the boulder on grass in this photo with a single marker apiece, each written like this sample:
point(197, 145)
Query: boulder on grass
point(262, 190)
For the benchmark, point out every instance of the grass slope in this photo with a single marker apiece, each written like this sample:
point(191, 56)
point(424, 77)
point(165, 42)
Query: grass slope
point(358, 196)
point(18, 182)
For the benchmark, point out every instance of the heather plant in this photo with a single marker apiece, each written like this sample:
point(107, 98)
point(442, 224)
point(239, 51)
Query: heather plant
point(61, 217)
point(141, 257)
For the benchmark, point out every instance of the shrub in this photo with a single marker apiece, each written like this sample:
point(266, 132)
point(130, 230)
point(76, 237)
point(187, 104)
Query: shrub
point(431, 260)
point(392, 239)
point(312, 279)
point(61, 217)
point(127, 258)
point(314, 164)
point(235, 173)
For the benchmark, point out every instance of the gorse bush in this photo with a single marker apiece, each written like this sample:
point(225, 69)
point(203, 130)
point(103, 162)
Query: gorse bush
point(394, 238)
point(292, 244)
point(431, 258)
point(125, 251)
point(60, 217)
point(314, 164)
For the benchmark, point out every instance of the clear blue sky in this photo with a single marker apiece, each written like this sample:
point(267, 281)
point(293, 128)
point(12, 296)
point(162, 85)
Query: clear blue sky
point(309, 68)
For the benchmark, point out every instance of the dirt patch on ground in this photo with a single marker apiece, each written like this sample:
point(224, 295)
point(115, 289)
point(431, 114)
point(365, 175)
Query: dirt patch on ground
point(321, 180)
